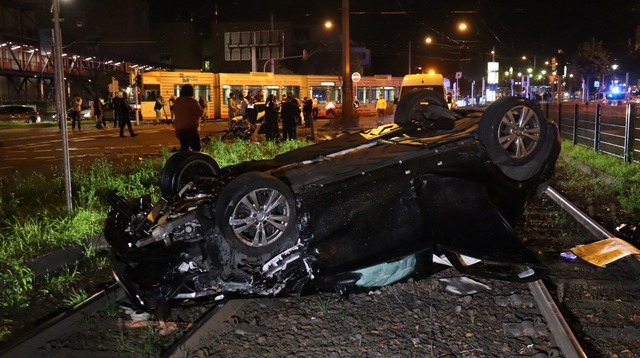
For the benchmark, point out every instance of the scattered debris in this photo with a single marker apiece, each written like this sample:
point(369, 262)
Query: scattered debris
point(463, 286)
point(568, 256)
point(603, 252)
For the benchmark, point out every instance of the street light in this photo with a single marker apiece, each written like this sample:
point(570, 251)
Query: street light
point(614, 67)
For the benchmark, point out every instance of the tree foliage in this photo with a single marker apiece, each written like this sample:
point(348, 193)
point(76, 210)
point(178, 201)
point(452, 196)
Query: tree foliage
point(591, 59)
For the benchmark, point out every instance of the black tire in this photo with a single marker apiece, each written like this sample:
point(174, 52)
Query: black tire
point(183, 167)
point(257, 215)
point(410, 105)
point(514, 132)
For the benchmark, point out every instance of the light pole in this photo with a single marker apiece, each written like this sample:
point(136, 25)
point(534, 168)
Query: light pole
point(347, 94)
point(61, 102)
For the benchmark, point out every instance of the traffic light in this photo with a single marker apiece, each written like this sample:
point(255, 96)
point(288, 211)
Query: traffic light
point(139, 80)
point(562, 62)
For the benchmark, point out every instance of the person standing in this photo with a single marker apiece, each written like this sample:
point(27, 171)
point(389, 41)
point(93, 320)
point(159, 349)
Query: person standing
point(271, 130)
point(381, 107)
point(123, 109)
point(309, 117)
point(158, 107)
point(115, 102)
point(76, 109)
point(187, 123)
point(243, 107)
point(203, 104)
point(451, 100)
point(252, 111)
point(232, 108)
point(307, 110)
point(98, 113)
point(172, 101)
point(290, 114)
point(314, 108)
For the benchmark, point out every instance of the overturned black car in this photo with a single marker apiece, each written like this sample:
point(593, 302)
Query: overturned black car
point(359, 211)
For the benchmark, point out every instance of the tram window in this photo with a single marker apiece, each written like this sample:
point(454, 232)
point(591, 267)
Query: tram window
point(274, 90)
point(253, 90)
point(291, 90)
point(228, 90)
point(389, 93)
point(319, 92)
point(334, 94)
point(150, 92)
point(201, 90)
point(362, 94)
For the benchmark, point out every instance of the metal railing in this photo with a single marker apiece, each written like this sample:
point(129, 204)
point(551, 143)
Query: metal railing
point(614, 130)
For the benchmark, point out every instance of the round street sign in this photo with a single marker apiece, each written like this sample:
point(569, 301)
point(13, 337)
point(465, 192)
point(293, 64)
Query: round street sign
point(355, 77)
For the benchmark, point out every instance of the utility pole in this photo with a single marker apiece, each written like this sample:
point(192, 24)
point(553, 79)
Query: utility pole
point(61, 107)
point(409, 71)
point(135, 96)
point(347, 92)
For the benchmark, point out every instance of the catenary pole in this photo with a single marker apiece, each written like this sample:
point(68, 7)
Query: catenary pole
point(61, 102)
point(347, 95)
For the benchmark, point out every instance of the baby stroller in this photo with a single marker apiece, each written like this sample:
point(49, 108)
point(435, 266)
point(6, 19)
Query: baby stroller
point(241, 128)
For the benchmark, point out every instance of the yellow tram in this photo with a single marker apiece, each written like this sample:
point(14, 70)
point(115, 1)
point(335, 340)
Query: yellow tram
point(217, 87)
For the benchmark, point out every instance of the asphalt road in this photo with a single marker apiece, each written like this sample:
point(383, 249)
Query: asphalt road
point(37, 149)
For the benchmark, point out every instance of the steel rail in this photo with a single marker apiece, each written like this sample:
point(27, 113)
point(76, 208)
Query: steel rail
point(560, 330)
point(207, 326)
point(595, 228)
point(30, 344)
point(562, 333)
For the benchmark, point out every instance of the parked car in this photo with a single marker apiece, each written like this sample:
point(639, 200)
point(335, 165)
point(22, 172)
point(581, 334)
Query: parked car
point(362, 210)
point(19, 113)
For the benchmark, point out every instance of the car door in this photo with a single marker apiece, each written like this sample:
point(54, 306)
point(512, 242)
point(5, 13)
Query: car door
point(462, 218)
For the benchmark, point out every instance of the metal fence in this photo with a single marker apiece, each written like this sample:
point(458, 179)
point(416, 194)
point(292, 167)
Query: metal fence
point(613, 130)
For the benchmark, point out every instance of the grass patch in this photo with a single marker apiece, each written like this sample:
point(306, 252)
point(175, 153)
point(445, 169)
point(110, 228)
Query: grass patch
point(75, 297)
point(35, 220)
point(626, 186)
point(42, 124)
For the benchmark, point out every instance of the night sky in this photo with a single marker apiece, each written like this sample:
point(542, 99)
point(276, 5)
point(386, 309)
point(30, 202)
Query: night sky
point(513, 28)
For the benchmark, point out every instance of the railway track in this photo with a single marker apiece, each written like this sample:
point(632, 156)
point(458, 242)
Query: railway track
point(579, 311)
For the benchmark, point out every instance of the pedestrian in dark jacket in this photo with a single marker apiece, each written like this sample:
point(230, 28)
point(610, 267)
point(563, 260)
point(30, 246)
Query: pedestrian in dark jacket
point(290, 114)
point(271, 130)
point(98, 113)
point(123, 109)
point(307, 109)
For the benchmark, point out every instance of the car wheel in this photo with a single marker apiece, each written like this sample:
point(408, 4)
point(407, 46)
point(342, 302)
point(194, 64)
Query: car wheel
point(257, 214)
point(409, 107)
point(183, 167)
point(514, 131)
point(32, 120)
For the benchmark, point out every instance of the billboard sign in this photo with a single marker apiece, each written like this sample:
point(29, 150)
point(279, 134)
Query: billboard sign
point(267, 44)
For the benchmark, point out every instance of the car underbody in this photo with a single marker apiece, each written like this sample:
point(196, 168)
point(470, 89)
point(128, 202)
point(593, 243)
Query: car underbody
point(363, 210)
